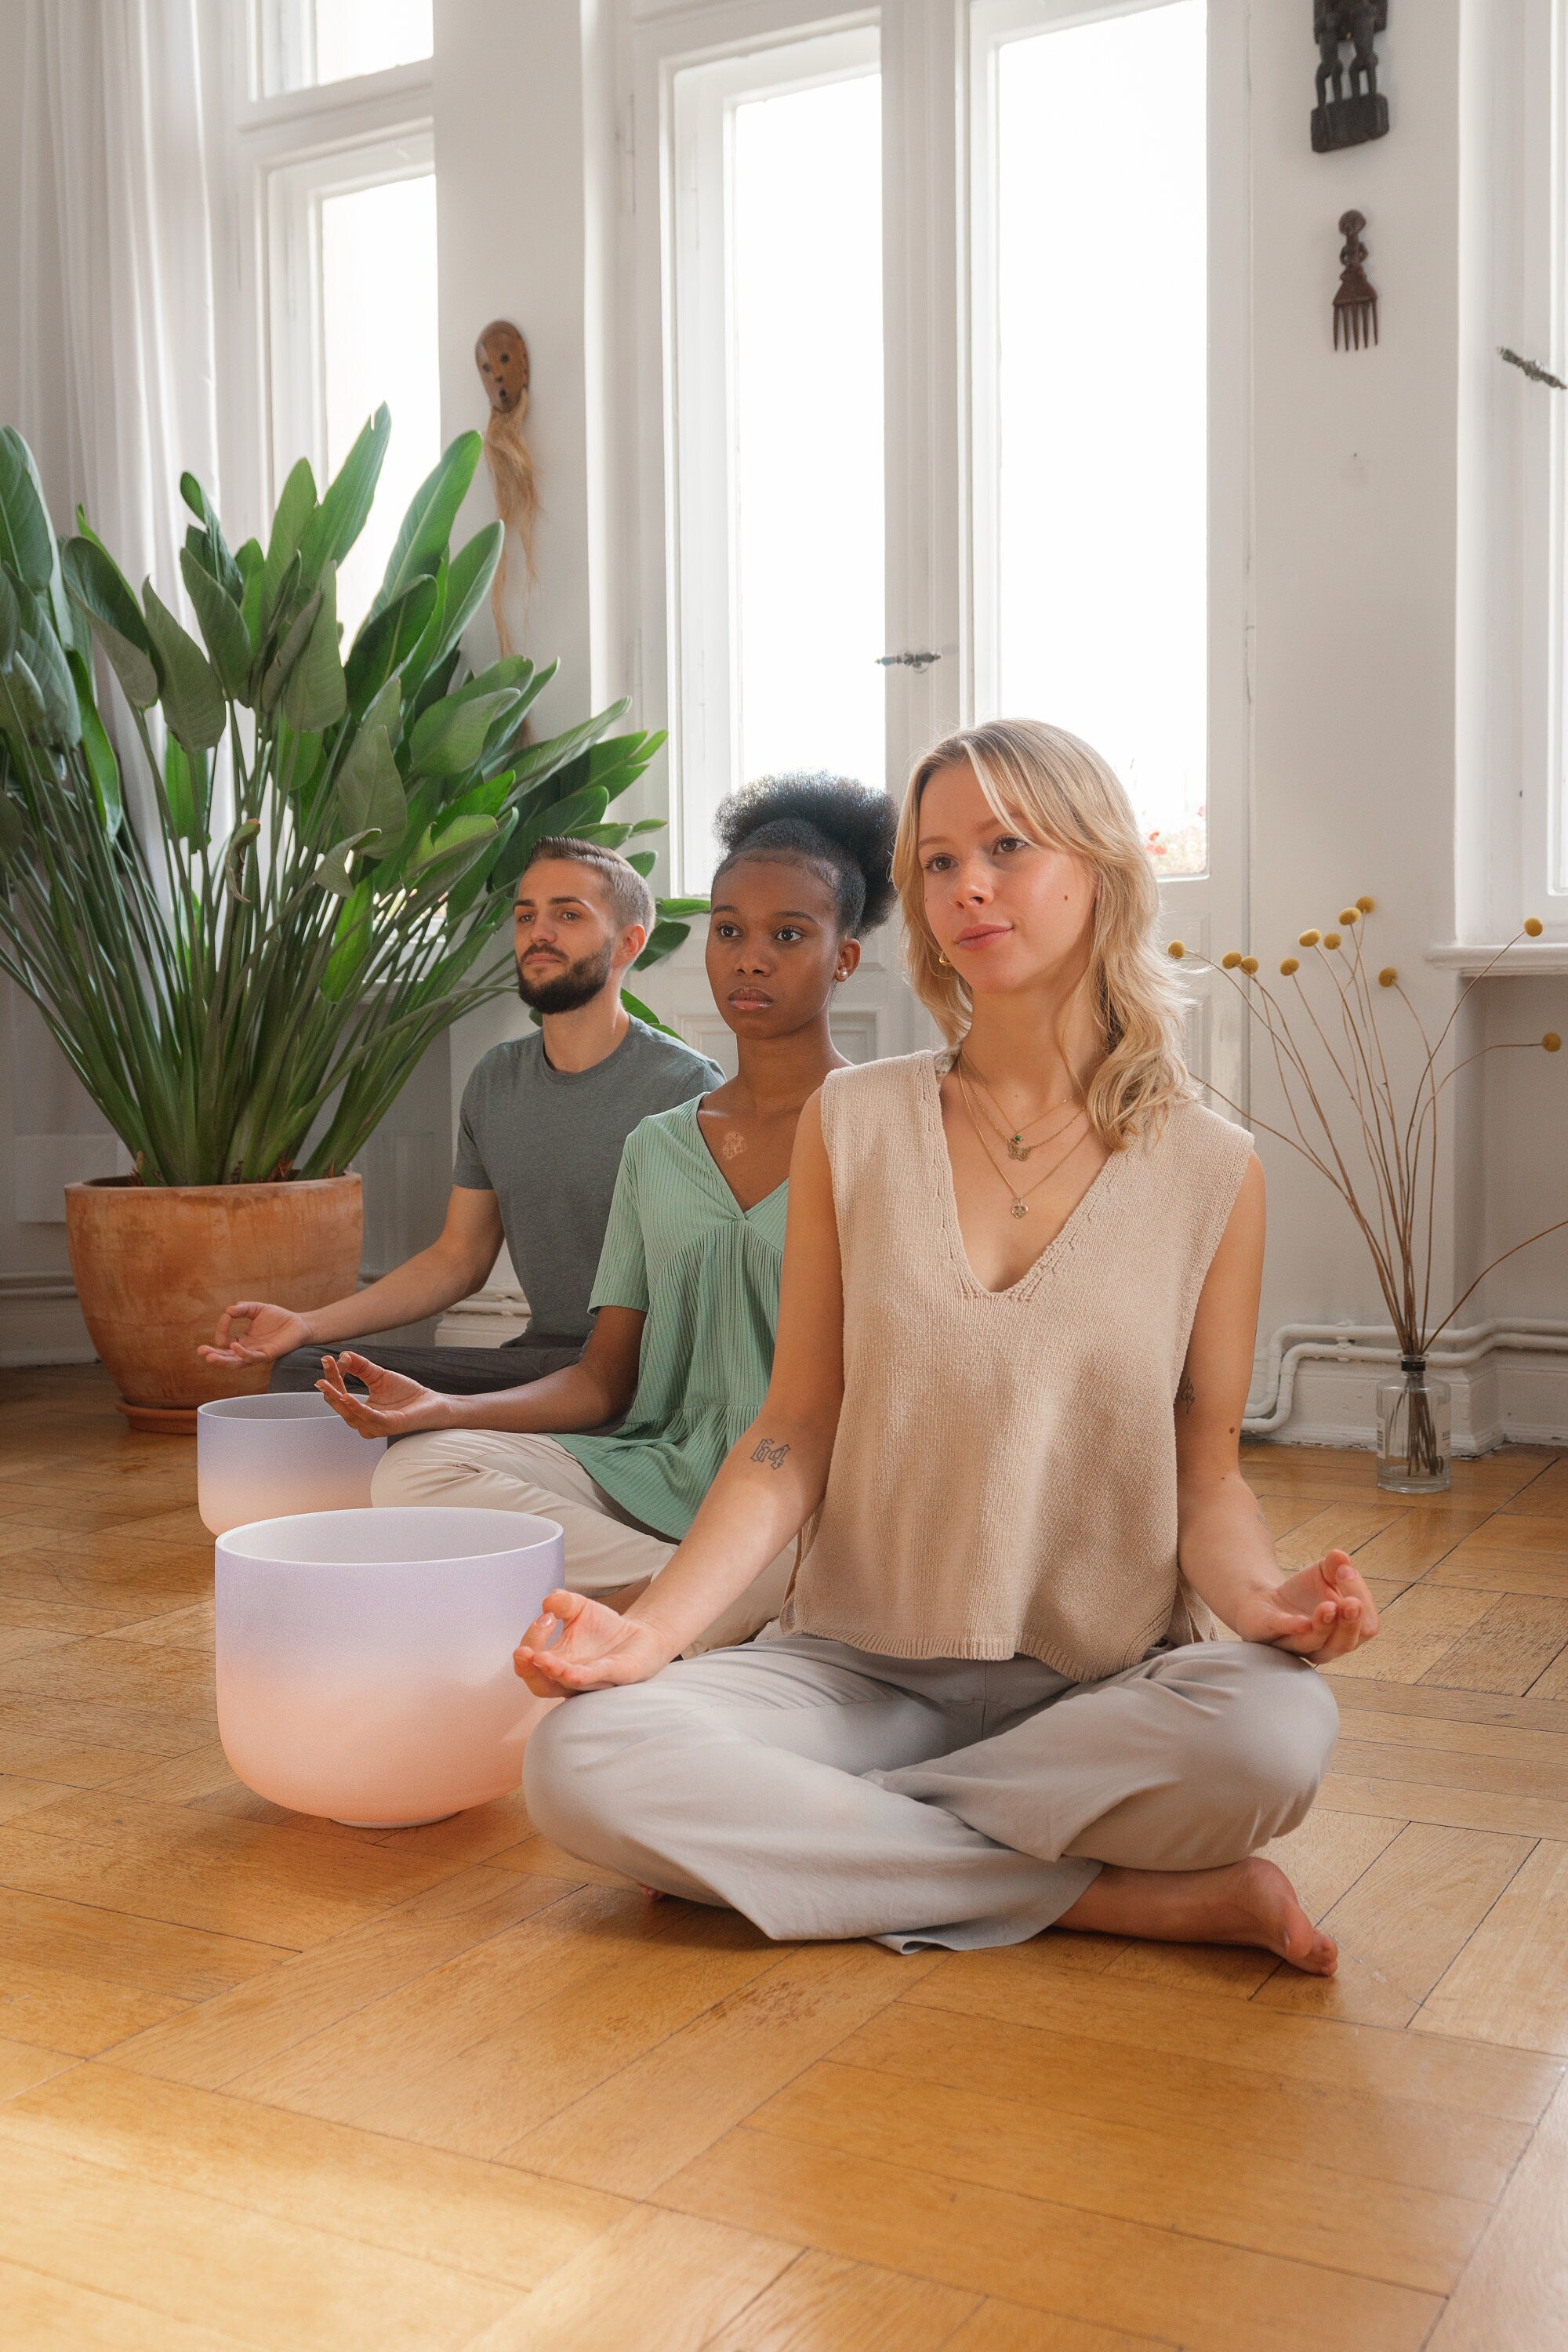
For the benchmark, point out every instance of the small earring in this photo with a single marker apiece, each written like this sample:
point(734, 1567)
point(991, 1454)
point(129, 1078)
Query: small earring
point(942, 959)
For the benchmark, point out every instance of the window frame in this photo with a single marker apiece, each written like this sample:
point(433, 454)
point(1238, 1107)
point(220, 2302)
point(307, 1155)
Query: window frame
point(702, 424)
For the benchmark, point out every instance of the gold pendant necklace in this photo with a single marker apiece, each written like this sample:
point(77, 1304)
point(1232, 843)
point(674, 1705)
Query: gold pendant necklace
point(1020, 1200)
point(1013, 1137)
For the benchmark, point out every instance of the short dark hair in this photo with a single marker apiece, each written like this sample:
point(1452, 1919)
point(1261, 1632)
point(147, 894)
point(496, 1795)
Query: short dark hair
point(844, 829)
point(631, 900)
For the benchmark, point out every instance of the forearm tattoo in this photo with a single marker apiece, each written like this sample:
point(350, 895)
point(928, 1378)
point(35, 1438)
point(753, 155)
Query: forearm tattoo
point(1187, 1395)
point(771, 1455)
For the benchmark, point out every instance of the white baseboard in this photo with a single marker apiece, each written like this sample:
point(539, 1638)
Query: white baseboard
point(41, 1322)
point(1513, 1399)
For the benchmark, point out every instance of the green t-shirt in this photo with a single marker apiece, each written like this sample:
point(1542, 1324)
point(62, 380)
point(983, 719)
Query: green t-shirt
point(681, 1248)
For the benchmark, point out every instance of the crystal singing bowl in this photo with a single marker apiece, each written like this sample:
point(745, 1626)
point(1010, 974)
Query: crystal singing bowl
point(364, 1658)
point(258, 1456)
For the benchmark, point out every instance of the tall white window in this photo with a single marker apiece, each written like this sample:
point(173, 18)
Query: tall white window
point(1091, 391)
point(776, 268)
point(337, 167)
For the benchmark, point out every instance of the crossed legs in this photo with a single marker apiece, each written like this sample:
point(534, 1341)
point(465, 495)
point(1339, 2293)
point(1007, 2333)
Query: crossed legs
point(823, 1791)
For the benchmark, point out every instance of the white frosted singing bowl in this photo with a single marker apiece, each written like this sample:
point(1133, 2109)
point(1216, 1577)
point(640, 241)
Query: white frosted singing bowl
point(259, 1455)
point(364, 1658)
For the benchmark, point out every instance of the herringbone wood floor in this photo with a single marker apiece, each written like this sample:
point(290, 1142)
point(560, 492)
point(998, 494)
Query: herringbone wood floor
point(270, 2083)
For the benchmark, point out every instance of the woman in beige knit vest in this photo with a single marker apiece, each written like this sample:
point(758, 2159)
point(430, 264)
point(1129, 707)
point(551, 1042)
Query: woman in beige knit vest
point(1020, 1292)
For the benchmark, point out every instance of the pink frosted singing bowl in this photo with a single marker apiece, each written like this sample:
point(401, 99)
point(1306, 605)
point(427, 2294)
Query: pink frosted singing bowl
point(259, 1455)
point(364, 1658)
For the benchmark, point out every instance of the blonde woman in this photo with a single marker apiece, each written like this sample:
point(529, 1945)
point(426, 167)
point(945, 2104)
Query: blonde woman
point(1020, 1289)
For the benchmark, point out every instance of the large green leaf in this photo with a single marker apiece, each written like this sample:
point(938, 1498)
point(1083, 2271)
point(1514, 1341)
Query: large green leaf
point(185, 790)
point(428, 526)
point(385, 642)
point(346, 501)
point(463, 836)
point(662, 940)
point(208, 544)
point(227, 639)
point(294, 643)
point(350, 944)
point(315, 694)
point(99, 752)
point(448, 739)
point(26, 541)
point(45, 656)
point(98, 586)
point(370, 790)
point(542, 760)
point(190, 694)
point(470, 575)
point(295, 508)
point(10, 620)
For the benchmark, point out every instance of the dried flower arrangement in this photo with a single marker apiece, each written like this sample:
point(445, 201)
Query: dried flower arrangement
point(1334, 1076)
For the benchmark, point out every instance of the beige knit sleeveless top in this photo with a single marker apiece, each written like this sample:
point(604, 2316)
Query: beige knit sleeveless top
point(1004, 1476)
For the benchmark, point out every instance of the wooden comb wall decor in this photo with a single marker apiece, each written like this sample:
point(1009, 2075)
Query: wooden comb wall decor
point(502, 357)
point(1351, 117)
point(1355, 303)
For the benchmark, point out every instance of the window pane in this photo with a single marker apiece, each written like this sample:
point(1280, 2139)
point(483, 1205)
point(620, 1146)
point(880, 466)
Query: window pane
point(1102, 496)
point(806, 271)
point(305, 42)
point(379, 342)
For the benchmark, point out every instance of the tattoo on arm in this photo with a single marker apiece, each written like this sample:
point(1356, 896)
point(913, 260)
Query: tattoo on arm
point(1187, 1395)
point(767, 1452)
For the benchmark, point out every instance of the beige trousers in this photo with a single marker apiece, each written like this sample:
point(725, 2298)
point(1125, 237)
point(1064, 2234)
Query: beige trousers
point(825, 1791)
point(606, 1548)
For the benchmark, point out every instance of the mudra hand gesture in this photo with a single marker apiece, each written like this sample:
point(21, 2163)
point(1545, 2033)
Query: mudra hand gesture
point(1321, 1612)
point(578, 1645)
point(395, 1407)
point(273, 1331)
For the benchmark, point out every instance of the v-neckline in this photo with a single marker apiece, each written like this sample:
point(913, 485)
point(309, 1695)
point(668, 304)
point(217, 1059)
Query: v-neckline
point(936, 1138)
point(718, 1175)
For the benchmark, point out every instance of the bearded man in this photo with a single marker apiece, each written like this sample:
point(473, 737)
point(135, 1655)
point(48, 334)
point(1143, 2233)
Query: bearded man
point(539, 1147)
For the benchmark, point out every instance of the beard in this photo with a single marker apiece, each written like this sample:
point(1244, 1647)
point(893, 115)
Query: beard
point(569, 985)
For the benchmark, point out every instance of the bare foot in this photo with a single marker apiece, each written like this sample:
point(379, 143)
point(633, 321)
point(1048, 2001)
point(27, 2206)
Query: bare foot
point(1245, 1903)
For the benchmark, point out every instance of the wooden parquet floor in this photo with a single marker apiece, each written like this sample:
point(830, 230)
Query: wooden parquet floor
point(265, 2082)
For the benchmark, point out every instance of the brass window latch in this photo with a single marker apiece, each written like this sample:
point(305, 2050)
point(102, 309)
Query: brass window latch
point(906, 661)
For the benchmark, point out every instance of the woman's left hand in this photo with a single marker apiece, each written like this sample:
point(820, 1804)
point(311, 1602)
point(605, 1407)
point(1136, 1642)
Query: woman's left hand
point(395, 1405)
point(1321, 1612)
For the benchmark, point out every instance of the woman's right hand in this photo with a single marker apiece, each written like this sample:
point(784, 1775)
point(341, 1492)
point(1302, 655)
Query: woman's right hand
point(274, 1331)
point(396, 1406)
point(595, 1648)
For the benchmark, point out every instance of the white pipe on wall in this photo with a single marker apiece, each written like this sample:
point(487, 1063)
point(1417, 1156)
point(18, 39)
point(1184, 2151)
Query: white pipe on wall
point(1371, 1343)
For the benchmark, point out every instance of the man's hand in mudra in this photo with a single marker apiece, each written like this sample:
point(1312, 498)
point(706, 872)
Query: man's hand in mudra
point(1321, 1612)
point(395, 1407)
point(593, 1649)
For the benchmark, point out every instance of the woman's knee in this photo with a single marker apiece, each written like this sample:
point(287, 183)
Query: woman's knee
point(582, 1764)
point(1264, 1735)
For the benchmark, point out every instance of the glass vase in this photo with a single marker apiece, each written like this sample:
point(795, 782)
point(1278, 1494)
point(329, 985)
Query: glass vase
point(1413, 1428)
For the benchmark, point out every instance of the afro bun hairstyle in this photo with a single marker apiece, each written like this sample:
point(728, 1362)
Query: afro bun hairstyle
point(844, 829)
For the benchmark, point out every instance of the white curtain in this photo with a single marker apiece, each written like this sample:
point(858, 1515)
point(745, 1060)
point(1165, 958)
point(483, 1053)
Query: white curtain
point(121, 200)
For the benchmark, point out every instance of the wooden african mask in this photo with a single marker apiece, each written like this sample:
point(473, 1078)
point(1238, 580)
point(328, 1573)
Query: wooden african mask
point(502, 357)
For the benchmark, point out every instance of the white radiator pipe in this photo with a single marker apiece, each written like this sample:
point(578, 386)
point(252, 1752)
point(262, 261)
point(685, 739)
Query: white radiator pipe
point(1373, 1343)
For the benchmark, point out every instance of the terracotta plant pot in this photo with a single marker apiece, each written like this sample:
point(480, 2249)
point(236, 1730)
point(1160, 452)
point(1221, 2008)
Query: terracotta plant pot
point(156, 1265)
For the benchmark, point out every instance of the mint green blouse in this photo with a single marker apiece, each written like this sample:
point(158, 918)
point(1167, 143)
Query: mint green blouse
point(681, 1248)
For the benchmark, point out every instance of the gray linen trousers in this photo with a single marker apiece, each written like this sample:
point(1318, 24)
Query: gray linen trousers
point(825, 1791)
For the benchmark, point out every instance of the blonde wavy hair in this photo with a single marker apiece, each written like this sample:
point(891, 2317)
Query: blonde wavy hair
point(1060, 792)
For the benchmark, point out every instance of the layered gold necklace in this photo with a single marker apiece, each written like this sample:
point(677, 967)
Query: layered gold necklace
point(1020, 1199)
point(1013, 1137)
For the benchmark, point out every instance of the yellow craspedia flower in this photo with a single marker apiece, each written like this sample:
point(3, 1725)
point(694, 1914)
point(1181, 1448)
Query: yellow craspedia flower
point(1229, 961)
point(1331, 939)
point(1532, 927)
point(1249, 965)
point(1308, 939)
point(1552, 1042)
point(1290, 964)
point(1176, 951)
point(1366, 905)
point(1387, 976)
point(1348, 915)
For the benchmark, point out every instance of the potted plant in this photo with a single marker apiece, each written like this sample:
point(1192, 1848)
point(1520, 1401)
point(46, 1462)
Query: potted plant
point(244, 946)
